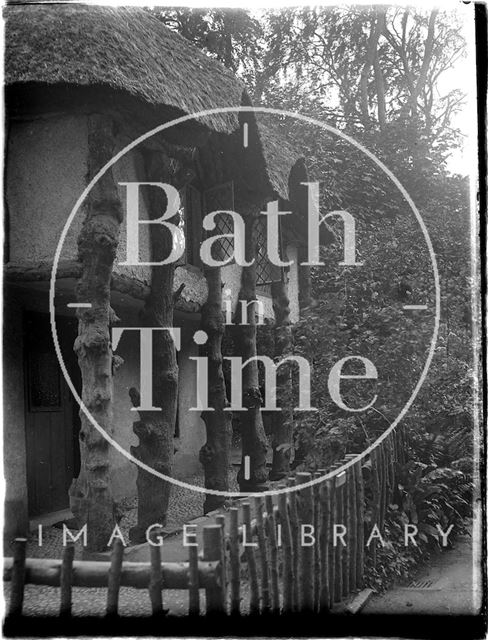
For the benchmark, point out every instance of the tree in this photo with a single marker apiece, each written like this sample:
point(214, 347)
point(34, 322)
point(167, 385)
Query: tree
point(232, 36)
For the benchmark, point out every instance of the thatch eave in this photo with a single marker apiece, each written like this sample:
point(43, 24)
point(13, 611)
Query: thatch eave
point(123, 49)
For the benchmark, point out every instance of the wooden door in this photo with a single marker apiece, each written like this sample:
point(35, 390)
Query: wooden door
point(51, 421)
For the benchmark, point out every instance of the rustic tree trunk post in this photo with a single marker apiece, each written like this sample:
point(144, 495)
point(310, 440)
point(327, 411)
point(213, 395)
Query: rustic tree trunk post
point(283, 419)
point(215, 453)
point(90, 494)
point(254, 441)
point(155, 429)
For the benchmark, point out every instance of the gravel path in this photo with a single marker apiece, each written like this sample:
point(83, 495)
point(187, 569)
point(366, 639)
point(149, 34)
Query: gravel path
point(44, 601)
point(184, 505)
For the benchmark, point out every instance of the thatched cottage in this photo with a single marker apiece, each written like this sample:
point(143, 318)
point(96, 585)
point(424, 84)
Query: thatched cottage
point(82, 82)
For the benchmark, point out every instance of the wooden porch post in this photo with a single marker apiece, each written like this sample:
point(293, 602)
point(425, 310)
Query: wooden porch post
point(90, 495)
point(155, 429)
point(283, 419)
point(215, 453)
point(254, 440)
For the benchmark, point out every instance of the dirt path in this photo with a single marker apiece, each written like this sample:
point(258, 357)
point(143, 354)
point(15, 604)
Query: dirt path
point(446, 587)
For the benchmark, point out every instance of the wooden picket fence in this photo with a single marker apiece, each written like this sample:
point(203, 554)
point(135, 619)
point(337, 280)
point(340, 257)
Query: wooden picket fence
point(253, 563)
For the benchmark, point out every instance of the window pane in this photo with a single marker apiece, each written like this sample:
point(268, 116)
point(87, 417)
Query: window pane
point(266, 271)
point(221, 198)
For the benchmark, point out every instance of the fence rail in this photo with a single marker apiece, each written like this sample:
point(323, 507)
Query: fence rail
point(303, 551)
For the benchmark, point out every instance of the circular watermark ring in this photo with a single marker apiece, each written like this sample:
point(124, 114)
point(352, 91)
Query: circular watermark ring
point(351, 462)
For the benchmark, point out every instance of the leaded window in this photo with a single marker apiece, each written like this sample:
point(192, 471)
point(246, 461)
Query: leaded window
point(221, 198)
point(266, 271)
point(190, 222)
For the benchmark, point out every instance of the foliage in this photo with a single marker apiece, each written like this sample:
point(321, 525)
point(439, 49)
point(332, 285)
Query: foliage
point(374, 74)
point(429, 497)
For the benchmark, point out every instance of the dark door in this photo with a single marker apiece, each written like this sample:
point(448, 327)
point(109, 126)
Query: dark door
point(52, 423)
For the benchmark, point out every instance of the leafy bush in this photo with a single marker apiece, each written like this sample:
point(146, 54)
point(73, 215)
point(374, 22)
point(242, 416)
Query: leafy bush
point(360, 312)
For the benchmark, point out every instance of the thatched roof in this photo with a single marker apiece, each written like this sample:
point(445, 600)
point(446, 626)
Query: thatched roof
point(279, 154)
point(129, 51)
point(125, 49)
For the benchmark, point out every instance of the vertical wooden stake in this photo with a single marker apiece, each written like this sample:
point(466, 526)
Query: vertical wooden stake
point(193, 581)
point(391, 467)
point(251, 559)
point(347, 523)
point(114, 574)
point(383, 489)
point(295, 536)
point(212, 550)
point(235, 570)
point(332, 550)
point(338, 520)
point(317, 550)
point(66, 580)
point(325, 544)
point(265, 601)
point(346, 551)
point(220, 519)
point(353, 523)
point(306, 520)
point(18, 577)
point(156, 579)
point(271, 527)
point(360, 513)
point(376, 497)
point(288, 574)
